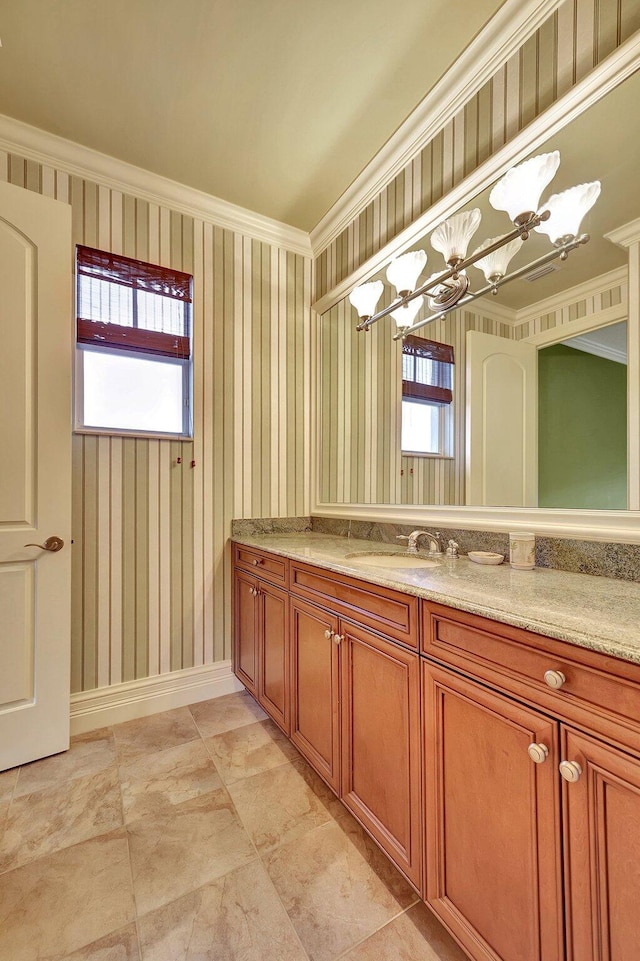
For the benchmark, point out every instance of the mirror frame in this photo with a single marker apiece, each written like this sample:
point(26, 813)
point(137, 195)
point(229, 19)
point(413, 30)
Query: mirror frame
point(614, 526)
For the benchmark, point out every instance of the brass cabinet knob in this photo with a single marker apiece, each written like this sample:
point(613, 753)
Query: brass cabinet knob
point(258, 561)
point(570, 770)
point(53, 544)
point(337, 638)
point(328, 634)
point(538, 753)
point(554, 679)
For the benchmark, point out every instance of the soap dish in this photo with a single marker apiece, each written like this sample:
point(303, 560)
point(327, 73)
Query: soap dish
point(485, 557)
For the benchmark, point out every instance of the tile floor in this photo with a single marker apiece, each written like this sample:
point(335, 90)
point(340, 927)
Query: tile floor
point(196, 835)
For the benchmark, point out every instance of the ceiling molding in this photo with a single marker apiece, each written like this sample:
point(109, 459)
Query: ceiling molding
point(619, 65)
point(78, 161)
point(597, 348)
point(572, 295)
point(505, 33)
point(626, 235)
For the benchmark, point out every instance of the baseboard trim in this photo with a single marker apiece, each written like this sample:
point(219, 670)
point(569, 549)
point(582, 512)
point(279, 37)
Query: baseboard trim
point(132, 699)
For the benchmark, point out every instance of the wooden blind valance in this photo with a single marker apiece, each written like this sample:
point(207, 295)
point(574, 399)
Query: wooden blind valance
point(130, 305)
point(427, 370)
point(134, 273)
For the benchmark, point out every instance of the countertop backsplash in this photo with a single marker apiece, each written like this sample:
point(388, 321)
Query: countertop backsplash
point(600, 558)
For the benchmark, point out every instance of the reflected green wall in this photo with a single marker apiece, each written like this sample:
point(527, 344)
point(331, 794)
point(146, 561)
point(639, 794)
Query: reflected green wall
point(582, 430)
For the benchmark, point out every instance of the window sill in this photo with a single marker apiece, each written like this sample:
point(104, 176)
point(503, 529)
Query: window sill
point(139, 434)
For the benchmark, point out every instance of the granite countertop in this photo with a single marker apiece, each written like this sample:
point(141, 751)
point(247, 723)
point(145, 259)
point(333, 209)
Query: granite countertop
point(599, 613)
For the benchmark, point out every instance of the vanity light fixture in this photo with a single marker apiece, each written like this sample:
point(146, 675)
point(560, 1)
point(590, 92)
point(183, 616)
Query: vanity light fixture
point(518, 194)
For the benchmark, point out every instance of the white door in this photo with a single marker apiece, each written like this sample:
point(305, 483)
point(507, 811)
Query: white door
point(36, 333)
point(502, 422)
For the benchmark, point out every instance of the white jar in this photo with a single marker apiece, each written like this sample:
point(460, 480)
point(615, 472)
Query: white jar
point(522, 550)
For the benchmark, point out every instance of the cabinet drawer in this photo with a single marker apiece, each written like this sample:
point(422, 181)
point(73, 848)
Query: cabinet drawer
point(268, 566)
point(599, 692)
point(389, 612)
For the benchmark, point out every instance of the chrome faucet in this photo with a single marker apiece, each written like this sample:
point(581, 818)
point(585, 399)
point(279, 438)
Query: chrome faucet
point(435, 542)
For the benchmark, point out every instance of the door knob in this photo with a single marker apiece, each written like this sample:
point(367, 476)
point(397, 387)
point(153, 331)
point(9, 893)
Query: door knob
point(538, 753)
point(52, 544)
point(570, 770)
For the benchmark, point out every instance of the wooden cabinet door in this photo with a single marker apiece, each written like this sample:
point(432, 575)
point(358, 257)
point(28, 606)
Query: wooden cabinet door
point(315, 727)
point(273, 662)
point(246, 630)
point(381, 780)
point(602, 860)
point(493, 821)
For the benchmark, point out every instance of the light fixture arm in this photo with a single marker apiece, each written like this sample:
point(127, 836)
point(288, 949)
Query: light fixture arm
point(520, 230)
point(560, 251)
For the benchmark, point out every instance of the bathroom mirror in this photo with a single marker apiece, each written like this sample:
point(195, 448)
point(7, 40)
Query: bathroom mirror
point(573, 315)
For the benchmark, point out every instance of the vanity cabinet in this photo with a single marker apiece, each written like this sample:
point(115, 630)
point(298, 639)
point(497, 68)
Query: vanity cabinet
point(315, 679)
point(261, 632)
point(499, 825)
point(498, 769)
point(492, 820)
point(380, 683)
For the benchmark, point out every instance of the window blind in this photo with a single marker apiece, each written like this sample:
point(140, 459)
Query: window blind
point(131, 305)
point(427, 371)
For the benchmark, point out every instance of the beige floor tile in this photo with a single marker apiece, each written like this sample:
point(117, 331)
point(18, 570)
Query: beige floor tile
point(226, 713)
point(44, 822)
point(88, 754)
point(148, 734)
point(153, 785)
point(52, 907)
point(7, 783)
point(120, 946)
point(283, 803)
point(336, 887)
point(415, 936)
point(200, 840)
point(250, 750)
point(237, 918)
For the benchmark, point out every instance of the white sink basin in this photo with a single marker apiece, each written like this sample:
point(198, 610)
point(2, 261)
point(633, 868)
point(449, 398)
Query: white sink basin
point(389, 559)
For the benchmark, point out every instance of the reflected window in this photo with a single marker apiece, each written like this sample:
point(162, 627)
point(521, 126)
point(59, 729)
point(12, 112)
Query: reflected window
point(427, 392)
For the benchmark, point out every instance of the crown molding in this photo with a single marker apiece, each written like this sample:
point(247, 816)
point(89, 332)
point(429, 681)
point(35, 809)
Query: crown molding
point(79, 161)
point(505, 33)
point(619, 65)
point(566, 298)
point(626, 235)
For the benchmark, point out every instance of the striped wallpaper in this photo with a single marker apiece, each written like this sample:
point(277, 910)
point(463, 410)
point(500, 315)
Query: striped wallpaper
point(359, 404)
point(571, 42)
point(359, 413)
point(151, 572)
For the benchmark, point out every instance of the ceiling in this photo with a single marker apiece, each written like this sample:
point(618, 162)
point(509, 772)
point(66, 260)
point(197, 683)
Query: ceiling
point(275, 105)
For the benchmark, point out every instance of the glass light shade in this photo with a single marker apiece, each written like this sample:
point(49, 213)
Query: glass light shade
point(567, 210)
point(519, 191)
point(452, 237)
point(495, 265)
point(405, 316)
point(403, 272)
point(365, 297)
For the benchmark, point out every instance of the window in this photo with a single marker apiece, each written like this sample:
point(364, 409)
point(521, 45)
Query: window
point(133, 346)
point(427, 374)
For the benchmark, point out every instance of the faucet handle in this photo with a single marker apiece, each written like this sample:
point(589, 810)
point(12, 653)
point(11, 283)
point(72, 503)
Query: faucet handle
point(402, 537)
point(452, 549)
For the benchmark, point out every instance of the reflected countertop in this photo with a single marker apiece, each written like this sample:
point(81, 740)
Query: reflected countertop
point(599, 613)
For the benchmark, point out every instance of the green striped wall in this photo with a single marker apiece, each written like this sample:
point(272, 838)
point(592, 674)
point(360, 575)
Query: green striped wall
point(151, 570)
point(359, 413)
point(575, 39)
